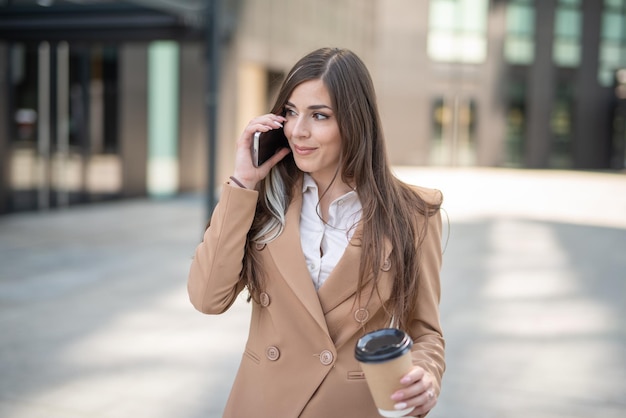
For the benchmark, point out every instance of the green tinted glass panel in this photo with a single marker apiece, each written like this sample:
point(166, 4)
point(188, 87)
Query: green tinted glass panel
point(610, 54)
point(566, 53)
point(519, 50)
point(163, 98)
point(472, 15)
point(614, 3)
point(442, 14)
point(605, 76)
point(568, 23)
point(520, 19)
point(572, 3)
point(613, 26)
point(458, 30)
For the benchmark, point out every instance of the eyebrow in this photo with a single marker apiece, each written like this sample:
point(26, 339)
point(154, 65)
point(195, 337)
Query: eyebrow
point(312, 107)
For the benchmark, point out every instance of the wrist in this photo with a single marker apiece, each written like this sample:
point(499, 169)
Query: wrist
point(241, 183)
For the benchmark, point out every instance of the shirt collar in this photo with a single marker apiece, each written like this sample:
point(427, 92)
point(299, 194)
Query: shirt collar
point(308, 183)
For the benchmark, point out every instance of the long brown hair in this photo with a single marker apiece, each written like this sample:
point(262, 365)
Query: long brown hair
point(389, 205)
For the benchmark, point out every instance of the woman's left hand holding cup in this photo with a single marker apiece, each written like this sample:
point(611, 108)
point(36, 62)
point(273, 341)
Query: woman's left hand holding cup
point(418, 392)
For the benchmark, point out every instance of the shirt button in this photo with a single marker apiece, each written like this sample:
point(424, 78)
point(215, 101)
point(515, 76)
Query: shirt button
point(272, 353)
point(386, 265)
point(264, 299)
point(326, 357)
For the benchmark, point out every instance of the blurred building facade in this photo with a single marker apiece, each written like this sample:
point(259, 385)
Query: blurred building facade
point(106, 99)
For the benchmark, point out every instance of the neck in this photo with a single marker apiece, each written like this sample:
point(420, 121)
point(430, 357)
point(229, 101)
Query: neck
point(329, 190)
point(331, 187)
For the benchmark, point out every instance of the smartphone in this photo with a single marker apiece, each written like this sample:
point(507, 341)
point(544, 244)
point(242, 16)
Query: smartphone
point(265, 145)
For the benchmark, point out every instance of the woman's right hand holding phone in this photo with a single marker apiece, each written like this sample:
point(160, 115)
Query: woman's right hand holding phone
point(245, 171)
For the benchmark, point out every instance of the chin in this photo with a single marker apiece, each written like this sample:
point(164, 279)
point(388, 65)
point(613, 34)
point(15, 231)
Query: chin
point(303, 166)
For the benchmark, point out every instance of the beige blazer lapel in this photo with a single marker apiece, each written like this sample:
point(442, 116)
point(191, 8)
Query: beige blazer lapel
point(345, 314)
point(286, 251)
point(343, 280)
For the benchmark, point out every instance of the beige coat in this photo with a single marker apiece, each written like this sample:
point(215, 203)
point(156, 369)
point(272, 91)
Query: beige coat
point(299, 357)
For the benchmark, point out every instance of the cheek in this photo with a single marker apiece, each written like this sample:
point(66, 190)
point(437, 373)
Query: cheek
point(287, 130)
point(336, 146)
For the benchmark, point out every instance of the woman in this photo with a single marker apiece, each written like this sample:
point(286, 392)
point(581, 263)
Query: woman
point(329, 245)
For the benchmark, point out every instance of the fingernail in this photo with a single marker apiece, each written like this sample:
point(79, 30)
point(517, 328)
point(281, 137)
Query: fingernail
point(396, 396)
point(278, 123)
point(405, 379)
point(400, 405)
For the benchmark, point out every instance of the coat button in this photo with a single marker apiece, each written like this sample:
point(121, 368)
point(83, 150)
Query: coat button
point(386, 265)
point(272, 353)
point(361, 315)
point(326, 357)
point(259, 246)
point(264, 298)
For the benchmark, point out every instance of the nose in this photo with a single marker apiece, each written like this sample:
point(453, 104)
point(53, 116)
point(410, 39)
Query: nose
point(300, 128)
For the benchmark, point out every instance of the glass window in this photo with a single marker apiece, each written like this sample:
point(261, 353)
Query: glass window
point(568, 23)
point(567, 33)
point(561, 127)
point(520, 19)
point(613, 25)
point(457, 30)
point(610, 54)
point(519, 45)
point(54, 85)
point(454, 131)
point(440, 13)
point(516, 122)
point(613, 41)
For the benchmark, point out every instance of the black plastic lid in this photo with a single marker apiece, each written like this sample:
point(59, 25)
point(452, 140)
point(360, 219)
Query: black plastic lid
point(382, 345)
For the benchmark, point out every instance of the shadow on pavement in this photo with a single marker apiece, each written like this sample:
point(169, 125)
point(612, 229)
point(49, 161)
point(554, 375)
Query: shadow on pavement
point(533, 315)
point(95, 319)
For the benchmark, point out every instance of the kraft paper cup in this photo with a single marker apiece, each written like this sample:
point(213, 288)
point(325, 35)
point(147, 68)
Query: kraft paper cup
point(385, 356)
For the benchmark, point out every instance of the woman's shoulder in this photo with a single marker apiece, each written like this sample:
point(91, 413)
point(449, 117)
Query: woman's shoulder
point(431, 196)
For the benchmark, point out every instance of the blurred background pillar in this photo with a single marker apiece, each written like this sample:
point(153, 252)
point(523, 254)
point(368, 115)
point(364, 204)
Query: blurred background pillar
point(45, 123)
point(163, 98)
point(213, 42)
point(252, 93)
point(133, 115)
point(4, 128)
point(592, 116)
point(491, 123)
point(192, 139)
point(618, 137)
point(541, 88)
point(61, 157)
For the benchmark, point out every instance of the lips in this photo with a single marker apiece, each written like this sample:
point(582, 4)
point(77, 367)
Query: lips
point(300, 150)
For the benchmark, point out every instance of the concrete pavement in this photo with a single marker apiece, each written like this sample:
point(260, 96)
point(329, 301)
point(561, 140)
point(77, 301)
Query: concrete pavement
point(95, 321)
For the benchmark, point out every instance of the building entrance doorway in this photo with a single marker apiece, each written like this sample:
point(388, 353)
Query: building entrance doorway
point(453, 130)
point(63, 122)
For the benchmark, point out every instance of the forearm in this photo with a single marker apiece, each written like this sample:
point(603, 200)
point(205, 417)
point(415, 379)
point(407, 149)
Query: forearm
point(429, 345)
point(214, 281)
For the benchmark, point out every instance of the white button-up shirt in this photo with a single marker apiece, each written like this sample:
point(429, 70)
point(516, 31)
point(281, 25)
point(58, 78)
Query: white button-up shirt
point(323, 244)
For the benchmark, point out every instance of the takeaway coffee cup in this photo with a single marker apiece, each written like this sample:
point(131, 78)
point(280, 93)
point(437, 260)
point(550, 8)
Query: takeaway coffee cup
point(385, 356)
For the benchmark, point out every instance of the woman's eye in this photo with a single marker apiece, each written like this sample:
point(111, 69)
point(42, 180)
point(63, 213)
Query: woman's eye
point(290, 112)
point(320, 116)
